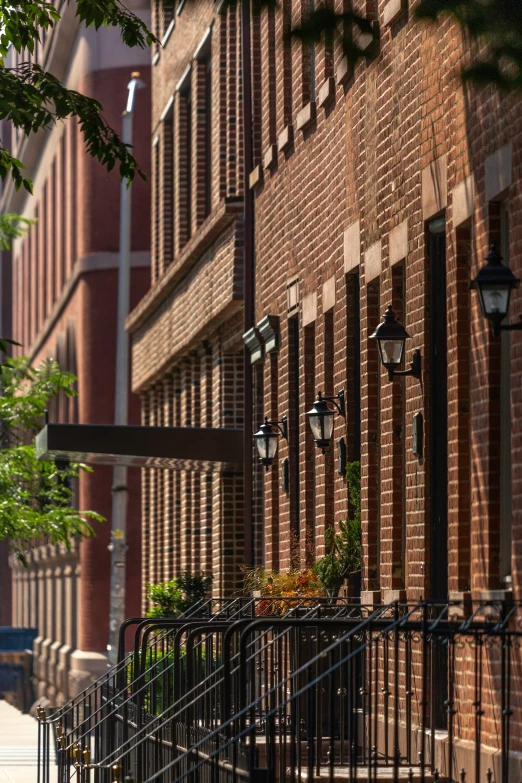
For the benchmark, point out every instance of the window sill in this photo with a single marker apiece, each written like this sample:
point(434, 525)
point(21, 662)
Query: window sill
point(392, 10)
point(326, 92)
point(306, 116)
point(270, 157)
point(286, 138)
point(343, 73)
point(255, 178)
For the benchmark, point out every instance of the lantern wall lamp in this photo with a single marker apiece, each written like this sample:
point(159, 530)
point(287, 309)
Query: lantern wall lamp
point(321, 418)
point(266, 439)
point(494, 284)
point(391, 337)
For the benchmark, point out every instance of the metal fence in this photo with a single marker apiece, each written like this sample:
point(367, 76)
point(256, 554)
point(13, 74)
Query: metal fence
point(330, 690)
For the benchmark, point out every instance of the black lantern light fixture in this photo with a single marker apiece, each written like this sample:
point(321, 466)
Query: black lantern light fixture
point(494, 284)
point(391, 337)
point(266, 439)
point(321, 418)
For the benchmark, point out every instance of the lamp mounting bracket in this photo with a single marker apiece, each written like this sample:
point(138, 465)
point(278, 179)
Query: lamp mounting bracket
point(338, 401)
point(414, 370)
point(282, 426)
point(498, 327)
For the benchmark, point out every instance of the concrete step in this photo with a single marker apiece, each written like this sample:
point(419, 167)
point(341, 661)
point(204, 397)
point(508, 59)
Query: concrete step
point(18, 756)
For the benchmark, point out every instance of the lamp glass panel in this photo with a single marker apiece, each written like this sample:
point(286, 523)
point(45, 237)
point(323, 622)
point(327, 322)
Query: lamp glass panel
point(322, 425)
point(391, 351)
point(261, 446)
point(495, 300)
point(328, 422)
point(316, 425)
point(272, 445)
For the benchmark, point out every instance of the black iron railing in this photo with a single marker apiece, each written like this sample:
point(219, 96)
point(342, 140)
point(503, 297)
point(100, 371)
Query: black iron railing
point(327, 691)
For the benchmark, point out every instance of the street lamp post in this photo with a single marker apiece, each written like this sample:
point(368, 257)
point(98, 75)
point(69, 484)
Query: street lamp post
point(118, 545)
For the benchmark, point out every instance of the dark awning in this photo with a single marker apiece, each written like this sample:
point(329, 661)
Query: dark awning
point(177, 448)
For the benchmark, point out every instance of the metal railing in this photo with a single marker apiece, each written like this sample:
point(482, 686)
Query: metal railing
point(328, 691)
point(144, 684)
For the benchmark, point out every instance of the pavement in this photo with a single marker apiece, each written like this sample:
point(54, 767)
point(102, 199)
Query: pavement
point(19, 747)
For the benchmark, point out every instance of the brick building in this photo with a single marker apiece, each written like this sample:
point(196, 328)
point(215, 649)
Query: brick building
point(381, 186)
point(59, 293)
point(187, 362)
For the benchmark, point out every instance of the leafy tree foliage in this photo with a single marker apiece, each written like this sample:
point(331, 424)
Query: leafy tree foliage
point(36, 499)
point(11, 227)
point(32, 98)
point(495, 23)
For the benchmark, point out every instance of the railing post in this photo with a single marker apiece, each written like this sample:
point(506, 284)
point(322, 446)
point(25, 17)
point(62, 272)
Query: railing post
point(396, 748)
point(423, 704)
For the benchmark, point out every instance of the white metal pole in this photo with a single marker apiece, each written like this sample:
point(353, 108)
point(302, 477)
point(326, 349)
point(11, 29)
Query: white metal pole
point(118, 545)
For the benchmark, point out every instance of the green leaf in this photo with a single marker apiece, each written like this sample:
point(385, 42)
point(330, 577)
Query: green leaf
point(36, 500)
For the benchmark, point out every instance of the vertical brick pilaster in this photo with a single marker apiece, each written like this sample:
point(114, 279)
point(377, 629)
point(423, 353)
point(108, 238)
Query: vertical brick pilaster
point(177, 515)
point(200, 163)
point(277, 548)
point(156, 211)
point(186, 476)
point(33, 251)
point(183, 168)
point(257, 91)
point(283, 69)
point(486, 358)
point(324, 463)
point(206, 402)
point(197, 538)
point(71, 185)
point(459, 436)
point(146, 508)
point(168, 486)
point(239, 106)
point(308, 449)
point(295, 427)
point(391, 511)
point(166, 183)
point(370, 445)
point(220, 52)
point(59, 217)
point(258, 495)
point(232, 119)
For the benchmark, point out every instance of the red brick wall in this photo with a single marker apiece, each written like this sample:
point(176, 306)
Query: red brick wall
point(362, 159)
point(57, 311)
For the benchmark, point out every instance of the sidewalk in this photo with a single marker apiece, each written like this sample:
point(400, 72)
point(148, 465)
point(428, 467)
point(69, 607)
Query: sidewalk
point(19, 747)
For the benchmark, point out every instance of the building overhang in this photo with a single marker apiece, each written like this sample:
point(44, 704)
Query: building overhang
point(174, 448)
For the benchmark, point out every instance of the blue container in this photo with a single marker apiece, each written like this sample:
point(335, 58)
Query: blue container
point(16, 639)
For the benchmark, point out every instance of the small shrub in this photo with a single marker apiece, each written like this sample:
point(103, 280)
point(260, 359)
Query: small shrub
point(172, 598)
point(276, 588)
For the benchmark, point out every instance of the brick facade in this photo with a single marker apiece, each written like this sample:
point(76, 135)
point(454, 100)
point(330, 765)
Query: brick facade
point(382, 186)
point(64, 294)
